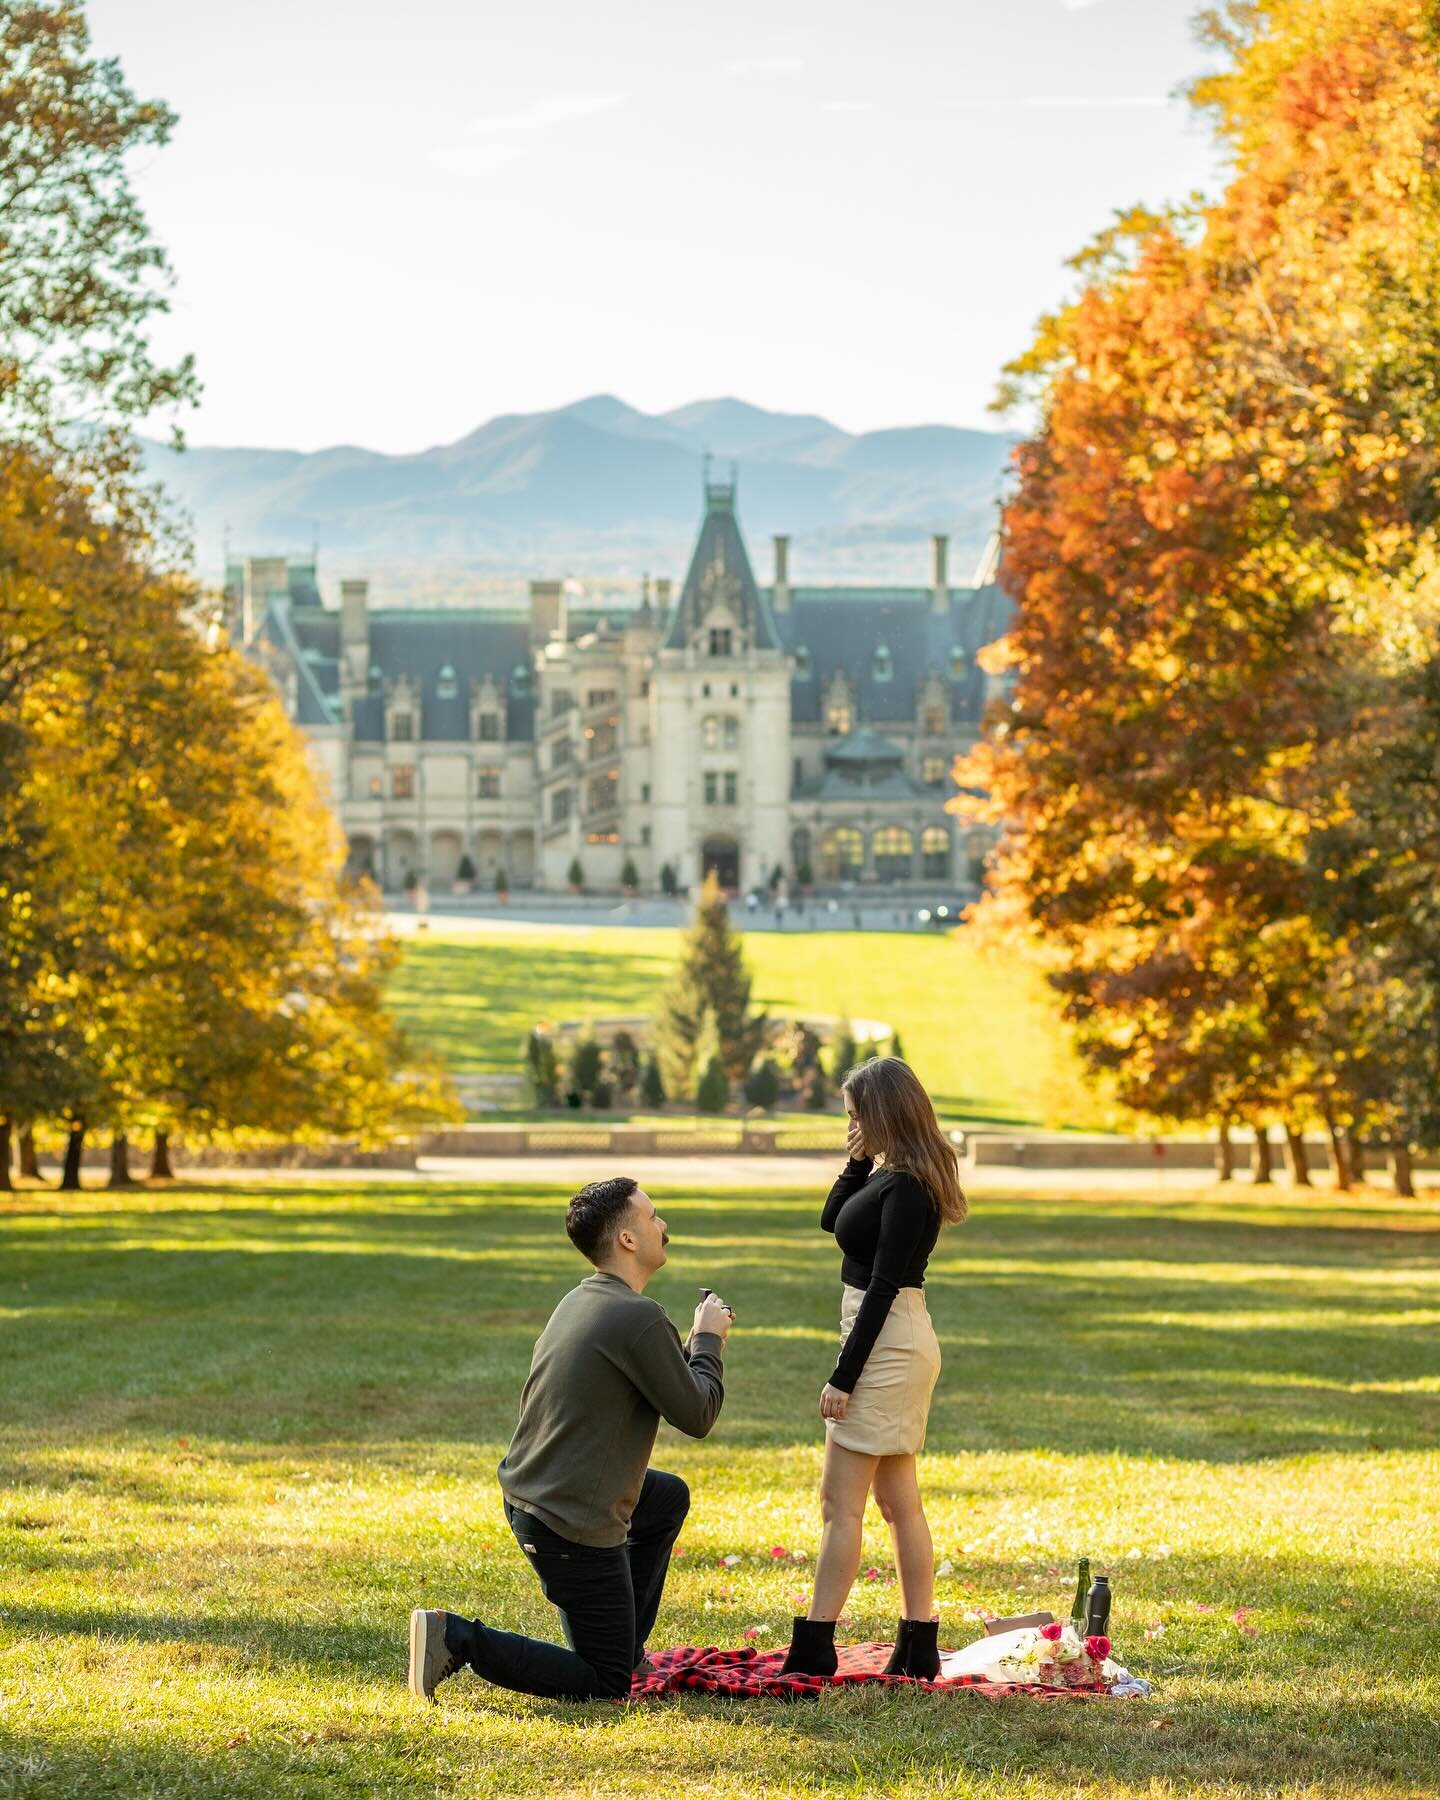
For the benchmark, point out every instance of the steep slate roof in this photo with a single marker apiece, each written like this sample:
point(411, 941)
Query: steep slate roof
point(317, 686)
point(863, 749)
point(721, 548)
point(841, 629)
point(862, 764)
point(419, 644)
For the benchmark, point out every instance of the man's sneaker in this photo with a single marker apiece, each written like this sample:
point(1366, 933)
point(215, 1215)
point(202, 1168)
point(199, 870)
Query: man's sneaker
point(431, 1658)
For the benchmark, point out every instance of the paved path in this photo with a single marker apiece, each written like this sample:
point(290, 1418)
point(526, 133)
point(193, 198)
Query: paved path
point(691, 1173)
point(458, 919)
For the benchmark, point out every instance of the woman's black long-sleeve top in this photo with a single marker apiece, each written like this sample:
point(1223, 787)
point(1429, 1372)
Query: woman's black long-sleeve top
point(887, 1224)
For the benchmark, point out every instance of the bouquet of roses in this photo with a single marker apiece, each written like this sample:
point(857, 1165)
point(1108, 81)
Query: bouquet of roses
point(1055, 1656)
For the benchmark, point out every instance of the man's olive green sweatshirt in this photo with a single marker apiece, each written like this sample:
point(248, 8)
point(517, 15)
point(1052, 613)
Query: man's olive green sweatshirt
point(607, 1368)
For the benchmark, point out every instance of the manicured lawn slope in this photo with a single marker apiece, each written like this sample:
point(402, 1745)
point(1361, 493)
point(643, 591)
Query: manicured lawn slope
point(977, 1028)
point(242, 1431)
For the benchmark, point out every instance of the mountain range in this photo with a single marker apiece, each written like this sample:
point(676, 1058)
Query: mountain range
point(599, 489)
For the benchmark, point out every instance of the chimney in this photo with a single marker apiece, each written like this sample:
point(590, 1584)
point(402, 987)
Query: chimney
point(355, 636)
point(547, 612)
point(265, 579)
point(939, 575)
point(780, 593)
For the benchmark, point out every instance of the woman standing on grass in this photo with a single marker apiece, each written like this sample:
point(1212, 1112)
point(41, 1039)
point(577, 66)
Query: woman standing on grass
point(900, 1185)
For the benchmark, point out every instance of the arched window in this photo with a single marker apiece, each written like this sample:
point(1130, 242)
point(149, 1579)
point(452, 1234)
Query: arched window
point(447, 683)
point(803, 665)
point(883, 668)
point(842, 854)
point(935, 852)
point(710, 732)
point(959, 661)
point(894, 847)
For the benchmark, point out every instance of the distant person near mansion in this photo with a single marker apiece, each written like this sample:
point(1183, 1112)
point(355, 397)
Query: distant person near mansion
point(594, 1521)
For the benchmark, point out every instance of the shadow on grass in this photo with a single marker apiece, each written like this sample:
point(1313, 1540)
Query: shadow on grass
point(1181, 1332)
point(1231, 1719)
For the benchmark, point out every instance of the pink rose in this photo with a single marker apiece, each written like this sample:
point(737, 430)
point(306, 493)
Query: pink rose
point(1098, 1648)
point(1052, 1632)
point(779, 1550)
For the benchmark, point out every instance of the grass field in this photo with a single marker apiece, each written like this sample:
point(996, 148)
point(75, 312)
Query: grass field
point(975, 1027)
point(244, 1430)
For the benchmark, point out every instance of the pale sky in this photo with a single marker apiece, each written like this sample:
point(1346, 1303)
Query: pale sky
point(391, 221)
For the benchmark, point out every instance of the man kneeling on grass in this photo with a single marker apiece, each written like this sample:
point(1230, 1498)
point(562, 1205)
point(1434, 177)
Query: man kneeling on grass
point(596, 1524)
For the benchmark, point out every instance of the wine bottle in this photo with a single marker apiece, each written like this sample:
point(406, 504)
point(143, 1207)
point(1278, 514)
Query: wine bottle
point(1097, 1614)
point(1082, 1597)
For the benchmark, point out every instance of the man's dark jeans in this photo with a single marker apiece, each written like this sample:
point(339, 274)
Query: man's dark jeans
point(607, 1601)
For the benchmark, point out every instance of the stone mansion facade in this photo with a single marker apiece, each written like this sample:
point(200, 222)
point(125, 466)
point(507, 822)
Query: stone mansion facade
point(731, 727)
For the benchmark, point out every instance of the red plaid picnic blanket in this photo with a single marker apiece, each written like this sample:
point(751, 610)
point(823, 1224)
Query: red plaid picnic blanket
point(750, 1674)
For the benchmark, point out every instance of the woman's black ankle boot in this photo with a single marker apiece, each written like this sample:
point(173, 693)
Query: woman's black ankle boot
point(896, 1664)
point(812, 1648)
point(922, 1658)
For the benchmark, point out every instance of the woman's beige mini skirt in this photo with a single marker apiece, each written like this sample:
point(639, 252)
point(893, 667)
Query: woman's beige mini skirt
point(889, 1409)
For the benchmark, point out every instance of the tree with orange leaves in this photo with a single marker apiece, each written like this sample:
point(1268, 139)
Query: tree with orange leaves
point(1222, 547)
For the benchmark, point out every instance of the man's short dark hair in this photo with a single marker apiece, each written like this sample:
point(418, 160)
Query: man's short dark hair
point(597, 1212)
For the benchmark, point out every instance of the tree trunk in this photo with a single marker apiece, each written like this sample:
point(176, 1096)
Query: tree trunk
point(1299, 1160)
point(160, 1169)
point(1355, 1151)
point(1262, 1164)
point(29, 1162)
point(120, 1175)
point(74, 1147)
point(1337, 1150)
point(4, 1156)
point(1224, 1154)
point(1404, 1168)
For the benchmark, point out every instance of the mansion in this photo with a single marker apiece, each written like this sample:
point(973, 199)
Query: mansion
point(730, 726)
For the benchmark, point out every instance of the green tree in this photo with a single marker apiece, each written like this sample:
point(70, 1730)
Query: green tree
point(80, 278)
point(587, 1061)
point(844, 1053)
point(624, 1064)
point(709, 980)
point(576, 875)
point(542, 1068)
point(713, 1093)
point(762, 1085)
point(652, 1086)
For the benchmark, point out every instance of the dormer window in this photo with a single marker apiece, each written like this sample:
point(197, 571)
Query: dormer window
point(375, 678)
point(402, 727)
point(722, 639)
point(882, 668)
point(837, 718)
point(447, 683)
point(959, 661)
point(488, 727)
point(803, 666)
point(932, 721)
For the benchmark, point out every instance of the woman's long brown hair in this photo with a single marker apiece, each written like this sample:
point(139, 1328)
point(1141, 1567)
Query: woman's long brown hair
point(899, 1123)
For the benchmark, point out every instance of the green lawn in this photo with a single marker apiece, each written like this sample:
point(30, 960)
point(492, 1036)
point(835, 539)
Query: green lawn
point(976, 1027)
point(244, 1430)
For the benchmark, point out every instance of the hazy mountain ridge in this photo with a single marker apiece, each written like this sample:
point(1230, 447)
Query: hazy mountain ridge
point(600, 488)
